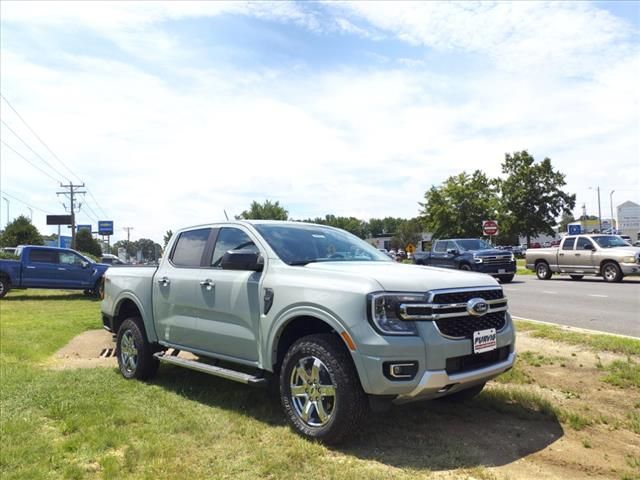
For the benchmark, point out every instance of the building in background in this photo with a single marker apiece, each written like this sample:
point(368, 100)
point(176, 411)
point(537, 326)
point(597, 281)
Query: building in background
point(629, 219)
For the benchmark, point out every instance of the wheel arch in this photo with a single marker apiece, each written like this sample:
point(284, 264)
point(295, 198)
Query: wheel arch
point(295, 324)
point(128, 306)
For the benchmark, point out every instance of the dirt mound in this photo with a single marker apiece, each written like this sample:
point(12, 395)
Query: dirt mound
point(94, 348)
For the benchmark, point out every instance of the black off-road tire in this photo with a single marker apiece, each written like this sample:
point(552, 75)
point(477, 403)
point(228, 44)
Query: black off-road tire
point(350, 405)
point(466, 267)
point(506, 278)
point(464, 395)
point(5, 285)
point(611, 272)
point(543, 271)
point(144, 365)
point(576, 277)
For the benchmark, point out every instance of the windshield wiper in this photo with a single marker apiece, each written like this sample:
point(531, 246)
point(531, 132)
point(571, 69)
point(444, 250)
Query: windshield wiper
point(304, 262)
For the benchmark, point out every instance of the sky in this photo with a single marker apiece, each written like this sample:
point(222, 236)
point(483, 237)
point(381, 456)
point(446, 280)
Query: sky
point(172, 113)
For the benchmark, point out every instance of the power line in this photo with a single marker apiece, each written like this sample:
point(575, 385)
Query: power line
point(27, 145)
point(39, 139)
point(52, 152)
point(72, 192)
point(25, 203)
point(29, 161)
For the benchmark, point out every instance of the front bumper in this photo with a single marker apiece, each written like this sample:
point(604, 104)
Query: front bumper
point(507, 268)
point(438, 383)
point(630, 269)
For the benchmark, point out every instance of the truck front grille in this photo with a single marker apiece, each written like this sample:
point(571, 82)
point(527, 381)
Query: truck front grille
point(496, 260)
point(463, 327)
point(462, 296)
point(476, 361)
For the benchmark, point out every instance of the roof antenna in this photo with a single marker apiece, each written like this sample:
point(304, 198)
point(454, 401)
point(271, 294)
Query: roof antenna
point(225, 214)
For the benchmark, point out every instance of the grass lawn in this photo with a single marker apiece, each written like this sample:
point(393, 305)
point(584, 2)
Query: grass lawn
point(91, 423)
point(521, 269)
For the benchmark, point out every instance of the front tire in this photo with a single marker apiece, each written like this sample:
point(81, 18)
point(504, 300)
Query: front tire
point(543, 272)
point(134, 352)
point(465, 267)
point(506, 278)
point(611, 272)
point(320, 391)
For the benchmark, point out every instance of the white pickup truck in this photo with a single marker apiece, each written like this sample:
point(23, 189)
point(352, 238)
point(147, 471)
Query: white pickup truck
point(338, 325)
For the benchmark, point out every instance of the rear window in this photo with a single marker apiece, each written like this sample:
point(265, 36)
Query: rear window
point(43, 256)
point(190, 247)
point(568, 243)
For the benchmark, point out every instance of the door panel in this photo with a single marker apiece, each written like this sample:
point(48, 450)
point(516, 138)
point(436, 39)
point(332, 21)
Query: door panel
point(566, 257)
point(584, 259)
point(41, 268)
point(71, 271)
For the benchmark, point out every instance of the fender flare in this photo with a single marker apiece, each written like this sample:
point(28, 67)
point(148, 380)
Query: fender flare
point(146, 316)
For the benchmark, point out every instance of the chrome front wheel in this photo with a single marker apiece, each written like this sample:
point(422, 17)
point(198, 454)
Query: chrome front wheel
point(313, 392)
point(128, 353)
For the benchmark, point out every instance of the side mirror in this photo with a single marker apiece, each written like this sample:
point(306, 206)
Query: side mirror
point(452, 251)
point(243, 260)
point(589, 247)
point(85, 264)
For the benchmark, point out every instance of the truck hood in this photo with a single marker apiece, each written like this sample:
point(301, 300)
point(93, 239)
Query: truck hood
point(403, 277)
point(623, 251)
point(489, 252)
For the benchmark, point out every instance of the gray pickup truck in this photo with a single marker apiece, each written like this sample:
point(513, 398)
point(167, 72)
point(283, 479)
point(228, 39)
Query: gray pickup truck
point(608, 256)
point(340, 327)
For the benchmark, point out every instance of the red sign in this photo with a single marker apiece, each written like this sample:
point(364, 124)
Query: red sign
point(490, 227)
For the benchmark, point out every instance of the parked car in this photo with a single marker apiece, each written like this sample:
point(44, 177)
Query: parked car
point(337, 324)
point(578, 255)
point(470, 254)
point(50, 267)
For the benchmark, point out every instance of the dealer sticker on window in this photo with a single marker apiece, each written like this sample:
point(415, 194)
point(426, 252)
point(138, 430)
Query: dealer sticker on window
point(484, 340)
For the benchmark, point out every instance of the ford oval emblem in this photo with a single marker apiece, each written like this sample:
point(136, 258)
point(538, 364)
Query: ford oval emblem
point(477, 307)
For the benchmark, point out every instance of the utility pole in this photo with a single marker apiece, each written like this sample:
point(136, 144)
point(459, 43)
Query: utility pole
point(128, 229)
point(30, 213)
point(613, 228)
point(599, 212)
point(72, 191)
point(7, 200)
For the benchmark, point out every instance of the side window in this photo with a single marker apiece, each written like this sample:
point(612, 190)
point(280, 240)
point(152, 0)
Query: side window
point(451, 245)
point(43, 256)
point(231, 239)
point(190, 247)
point(69, 258)
point(582, 242)
point(568, 243)
point(440, 247)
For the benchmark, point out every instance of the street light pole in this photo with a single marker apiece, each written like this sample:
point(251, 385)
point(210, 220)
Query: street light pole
point(30, 213)
point(599, 212)
point(7, 200)
point(611, 205)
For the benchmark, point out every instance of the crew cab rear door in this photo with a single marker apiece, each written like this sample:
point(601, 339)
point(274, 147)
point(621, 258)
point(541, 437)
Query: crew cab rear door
point(176, 289)
point(40, 268)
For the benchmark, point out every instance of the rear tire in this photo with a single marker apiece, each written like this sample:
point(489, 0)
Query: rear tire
point(134, 352)
point(320, 391)
point(543, 272)
point(611, 272)
point(5, 286)
point(506, 278)
point(576, 277)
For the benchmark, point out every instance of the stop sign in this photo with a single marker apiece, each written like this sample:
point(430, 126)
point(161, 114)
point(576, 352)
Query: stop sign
point(490, 227)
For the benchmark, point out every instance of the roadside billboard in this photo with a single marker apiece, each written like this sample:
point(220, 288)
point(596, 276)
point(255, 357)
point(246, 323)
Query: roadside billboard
point(105, 227)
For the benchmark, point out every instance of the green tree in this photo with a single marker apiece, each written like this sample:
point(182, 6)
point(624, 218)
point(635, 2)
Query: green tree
point(20, 232)
point(387, 225)
point(409, 231)
point(167, 237)
point(264, 211)
point(130, 248)
point(148, 247)
point(86, 243)
point(566, 219)
point(353, 225)
point(458, 206)
point(532, 195)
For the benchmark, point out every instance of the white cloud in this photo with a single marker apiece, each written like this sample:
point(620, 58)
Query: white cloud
point(357, 141)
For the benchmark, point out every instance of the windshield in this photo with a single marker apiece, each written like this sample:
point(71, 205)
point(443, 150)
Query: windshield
point(473, 244)
point(304, 243)
point(610, 241)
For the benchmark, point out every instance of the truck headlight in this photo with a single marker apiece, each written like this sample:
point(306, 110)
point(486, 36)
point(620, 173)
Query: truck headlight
point(630, 259)
point(477, 259)
point(513, 257)
point(382, 309)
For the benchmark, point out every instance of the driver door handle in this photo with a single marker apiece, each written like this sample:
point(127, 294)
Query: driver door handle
point(208, 284)
point(163, 281)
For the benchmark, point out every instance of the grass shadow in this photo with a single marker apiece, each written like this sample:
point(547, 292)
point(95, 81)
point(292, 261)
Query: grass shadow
point(46, 297)
point(491, 430)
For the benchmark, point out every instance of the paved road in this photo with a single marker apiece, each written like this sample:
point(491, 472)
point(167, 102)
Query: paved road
point(589, 303)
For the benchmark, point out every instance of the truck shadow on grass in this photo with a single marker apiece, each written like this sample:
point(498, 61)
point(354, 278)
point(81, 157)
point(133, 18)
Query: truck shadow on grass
point(16, 297)
point(435, 435)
